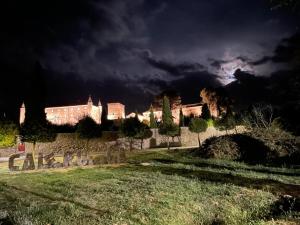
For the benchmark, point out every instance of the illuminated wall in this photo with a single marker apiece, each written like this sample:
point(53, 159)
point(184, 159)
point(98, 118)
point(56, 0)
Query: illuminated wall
point(187, 110)
point(69, 114)
point(115, 111)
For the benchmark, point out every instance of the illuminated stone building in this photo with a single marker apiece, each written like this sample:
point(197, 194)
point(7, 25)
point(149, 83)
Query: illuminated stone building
point(69, 114)
point(187, 110)
point(115, 111)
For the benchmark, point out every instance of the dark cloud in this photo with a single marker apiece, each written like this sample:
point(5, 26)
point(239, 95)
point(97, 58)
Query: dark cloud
point(242, 76)
point(157, 83)
point(190, 85)
point(108, 90)
point(281, 89)
point(186, 78)
point(261, 61)
point(247, 89)
point(69, 36)
point(173, 69)
point(217, 63)
point(51, 22)
point(117, 50)
point(287, 51)
point(242, 58)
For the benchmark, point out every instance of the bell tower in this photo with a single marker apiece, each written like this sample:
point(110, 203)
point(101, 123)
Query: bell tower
point(22, 113)
point(90, 101)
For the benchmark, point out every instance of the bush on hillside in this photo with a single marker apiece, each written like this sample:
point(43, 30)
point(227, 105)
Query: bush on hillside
point(221, 148)
point(258, 146)
point(279, 142)
point(8, 132)
point(238, 147)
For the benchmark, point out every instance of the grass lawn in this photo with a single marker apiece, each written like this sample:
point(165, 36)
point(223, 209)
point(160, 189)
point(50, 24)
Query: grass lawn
point(155, 187)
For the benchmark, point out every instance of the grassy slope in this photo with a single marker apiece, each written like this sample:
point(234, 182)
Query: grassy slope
point(169, 189)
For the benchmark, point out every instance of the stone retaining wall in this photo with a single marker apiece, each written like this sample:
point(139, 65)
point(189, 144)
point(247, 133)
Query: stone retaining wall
point(187, 138)
point(69, 142)
point(6, 152)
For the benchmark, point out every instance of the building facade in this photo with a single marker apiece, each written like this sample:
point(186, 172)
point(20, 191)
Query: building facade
point(187, 110)
point(115, 111)
point(69, 114)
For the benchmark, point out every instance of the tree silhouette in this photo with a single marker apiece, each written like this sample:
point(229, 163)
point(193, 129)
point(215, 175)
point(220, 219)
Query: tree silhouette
point(130, 128)
point(36, 96)
point(226, 122)
point(205, 112)
point(198, 125)
point(153, 123)
point(35, 131)
point(143, 132)
point(36, 128)
point(107, 125)
point(181, 118)
point(88, 129)
point(167, 126)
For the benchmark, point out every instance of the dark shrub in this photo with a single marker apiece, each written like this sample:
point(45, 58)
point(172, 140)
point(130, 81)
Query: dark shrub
point(295, 158)
point(285, 204)
point(218, 221)
point(108, 136)
point(281, 144)
point(251, 149)
point(271, 146)
point(221, 148)
point(236, 147)
point(66, 128)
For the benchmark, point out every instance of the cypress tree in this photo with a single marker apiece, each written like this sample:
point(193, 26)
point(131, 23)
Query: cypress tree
point(181, 118)
point(153, 123)
point(167, 126)
point(205, 112)
point(167, 117)
point(198, 125)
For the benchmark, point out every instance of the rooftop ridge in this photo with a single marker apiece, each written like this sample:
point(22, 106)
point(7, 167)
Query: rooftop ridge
point(48, 107)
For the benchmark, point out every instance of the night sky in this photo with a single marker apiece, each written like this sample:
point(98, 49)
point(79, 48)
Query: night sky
point(131, 50)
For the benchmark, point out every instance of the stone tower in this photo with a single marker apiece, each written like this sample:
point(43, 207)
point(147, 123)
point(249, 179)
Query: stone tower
point(22, 113)
point(99, 112)
point(94, 112)
point(90, 101)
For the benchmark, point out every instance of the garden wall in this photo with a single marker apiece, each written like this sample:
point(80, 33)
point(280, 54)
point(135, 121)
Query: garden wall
point(187, 138)
point(69, 142)
point(6, 152)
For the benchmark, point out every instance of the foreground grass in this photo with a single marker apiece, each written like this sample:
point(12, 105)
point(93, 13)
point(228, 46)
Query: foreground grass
point(156, 187)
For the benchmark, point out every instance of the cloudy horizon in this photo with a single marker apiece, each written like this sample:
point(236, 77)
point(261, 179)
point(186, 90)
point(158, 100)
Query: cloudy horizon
point(117, 50)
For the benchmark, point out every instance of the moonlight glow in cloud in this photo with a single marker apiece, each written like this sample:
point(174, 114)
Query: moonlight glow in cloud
point(229, 64)
point(227, 70)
